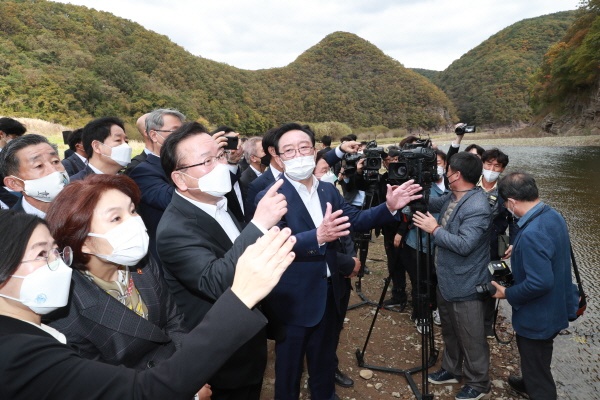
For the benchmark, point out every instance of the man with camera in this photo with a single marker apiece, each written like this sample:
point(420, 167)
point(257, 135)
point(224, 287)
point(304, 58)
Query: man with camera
point(461, 236)
point(543, 297)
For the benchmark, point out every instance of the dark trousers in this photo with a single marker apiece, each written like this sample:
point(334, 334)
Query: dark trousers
point(344, 300)
point(318, 344)
point(251, 392)
point(536, 356)
point(426, 282)
point(466, 350)
point(396, 269)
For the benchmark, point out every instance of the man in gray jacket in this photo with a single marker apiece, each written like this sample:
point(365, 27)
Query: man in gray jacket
point(461, 236)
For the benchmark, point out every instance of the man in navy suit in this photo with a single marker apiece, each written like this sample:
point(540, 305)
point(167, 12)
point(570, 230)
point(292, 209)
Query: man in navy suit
point(303, 300)
point(78, 160)
point(149, 174)
point(100, 138)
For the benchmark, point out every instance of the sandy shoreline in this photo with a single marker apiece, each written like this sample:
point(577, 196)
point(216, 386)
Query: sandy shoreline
point(546, 141)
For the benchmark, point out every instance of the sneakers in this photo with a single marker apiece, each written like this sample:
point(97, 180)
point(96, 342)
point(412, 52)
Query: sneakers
point(468, 393)
point(516, 383)
point(421, 327)
point(436, 317)
point(441, 376)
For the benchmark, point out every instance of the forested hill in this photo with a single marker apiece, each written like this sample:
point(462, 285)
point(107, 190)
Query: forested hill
point(68, 63)
point(490, 84)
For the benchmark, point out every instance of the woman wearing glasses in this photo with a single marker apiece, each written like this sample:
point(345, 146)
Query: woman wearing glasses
point(35, 362)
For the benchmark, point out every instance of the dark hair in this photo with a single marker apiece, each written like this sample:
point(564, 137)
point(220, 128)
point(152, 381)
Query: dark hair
point(442, 154)
point(326, 140)
point(16, 229)
point(98, 129)
point(169, 157)
point(518, 186)
point(352, 136)
point(408, 139)
point(74, 138)
point(9, 161)
point(223, 128)
point(12, 127)
point(469, 166)
point(292, 126)
point(479, 149)
point(495, 154)
point(70, 214)
point(392, 151)
point(346, 139)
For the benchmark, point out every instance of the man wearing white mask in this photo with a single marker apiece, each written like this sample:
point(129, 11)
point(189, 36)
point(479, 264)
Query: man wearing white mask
point(104, 142)
point(494, 163)
point(199, 241)
point(31, 165)
point(304, 300)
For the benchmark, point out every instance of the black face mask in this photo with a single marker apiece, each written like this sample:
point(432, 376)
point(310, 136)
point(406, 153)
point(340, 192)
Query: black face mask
point(265, 160)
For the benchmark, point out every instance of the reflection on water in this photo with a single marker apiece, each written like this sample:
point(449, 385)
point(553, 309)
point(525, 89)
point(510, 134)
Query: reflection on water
point(569, 180)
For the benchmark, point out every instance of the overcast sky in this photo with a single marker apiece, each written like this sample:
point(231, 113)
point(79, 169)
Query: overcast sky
point(255, 34)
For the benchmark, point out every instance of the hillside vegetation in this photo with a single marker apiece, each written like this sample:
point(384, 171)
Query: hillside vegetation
point(568, 82)
point(490, 84)
point(68, 63)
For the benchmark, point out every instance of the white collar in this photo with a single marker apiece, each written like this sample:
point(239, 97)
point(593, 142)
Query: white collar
point(29, 209)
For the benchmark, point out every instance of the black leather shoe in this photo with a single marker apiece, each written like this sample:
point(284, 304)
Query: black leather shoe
point(342, 379)
point(517, 384)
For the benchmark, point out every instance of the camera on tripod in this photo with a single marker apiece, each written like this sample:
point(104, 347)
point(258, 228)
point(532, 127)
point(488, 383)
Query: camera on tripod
point(501, 274)
point(373, 156)
point(416, 161)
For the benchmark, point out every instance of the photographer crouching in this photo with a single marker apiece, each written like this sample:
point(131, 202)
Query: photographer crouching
point(543, 297)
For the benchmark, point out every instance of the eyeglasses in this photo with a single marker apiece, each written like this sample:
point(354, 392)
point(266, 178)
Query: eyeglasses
point(207, 162)
point(164, 130)
point(66, 256)
point(304, 151)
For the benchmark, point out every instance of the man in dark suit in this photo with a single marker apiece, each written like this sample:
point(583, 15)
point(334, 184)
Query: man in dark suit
point(104, 142)
point(30, 165)
point(304, 299)
point(253, 154)
point(78, 160)
point(326, 146)
point(199, 241)
point(149, 175)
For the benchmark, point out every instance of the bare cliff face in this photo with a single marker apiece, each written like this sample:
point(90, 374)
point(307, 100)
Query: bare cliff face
point(582, 116)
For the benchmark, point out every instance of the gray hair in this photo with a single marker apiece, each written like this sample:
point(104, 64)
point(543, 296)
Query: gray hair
point(155, 120)
point(250, 147)
point(9, 162)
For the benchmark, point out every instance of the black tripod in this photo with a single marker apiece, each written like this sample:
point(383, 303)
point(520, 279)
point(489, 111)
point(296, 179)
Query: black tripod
point(361, 245)
point(429, 353)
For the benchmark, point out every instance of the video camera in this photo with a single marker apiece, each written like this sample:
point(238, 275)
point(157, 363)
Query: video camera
point(461, 129)
point(373, 156)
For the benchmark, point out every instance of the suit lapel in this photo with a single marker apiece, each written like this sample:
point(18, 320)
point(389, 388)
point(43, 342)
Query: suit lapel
point(295, 203)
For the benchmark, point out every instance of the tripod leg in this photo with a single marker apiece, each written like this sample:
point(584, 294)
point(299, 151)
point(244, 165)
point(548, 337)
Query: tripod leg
point(381, 298)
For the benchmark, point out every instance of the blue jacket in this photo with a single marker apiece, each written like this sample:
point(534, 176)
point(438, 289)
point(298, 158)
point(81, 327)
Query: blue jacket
point(543, 296)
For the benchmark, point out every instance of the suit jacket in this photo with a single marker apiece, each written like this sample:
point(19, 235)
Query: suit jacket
point(257, 186)
point(73, 164)
point(82, 174)
point(156, 194)
point(9, 198)
point(247, 177)
point(135, 161)
point(463, 252)
point(99, 327)
point(199, 263)
point(233, 203)
point(301, 295)
point(34, 365)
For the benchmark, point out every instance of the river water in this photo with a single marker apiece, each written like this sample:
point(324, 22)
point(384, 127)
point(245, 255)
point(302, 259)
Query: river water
point(569, 181)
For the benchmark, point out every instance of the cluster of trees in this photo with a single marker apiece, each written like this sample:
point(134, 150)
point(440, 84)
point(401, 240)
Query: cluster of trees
point(68, 63)
point(570, 70)
point(490, 84)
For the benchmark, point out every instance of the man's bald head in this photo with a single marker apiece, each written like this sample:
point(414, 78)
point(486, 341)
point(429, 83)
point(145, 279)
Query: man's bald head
point(141, 126)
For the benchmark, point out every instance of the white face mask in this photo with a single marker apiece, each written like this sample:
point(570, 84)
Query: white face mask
point(46, 188)
point(129, 241)
point(120, 154)
point(329, 177)
point(490, 175)
point(300, 168)
point(44, 290)
point(440, 171)
point(216, 183)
